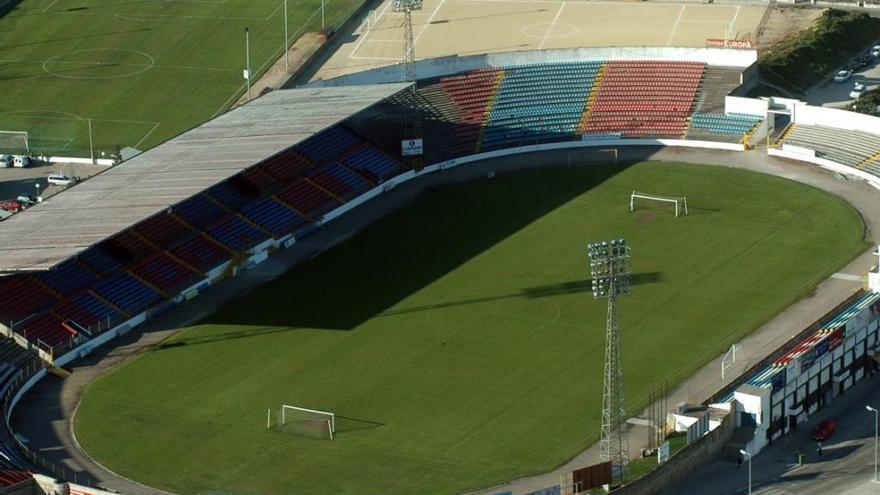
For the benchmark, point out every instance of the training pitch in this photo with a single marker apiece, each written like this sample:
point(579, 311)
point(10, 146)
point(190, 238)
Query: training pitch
point(139, 72)
point(457, 340)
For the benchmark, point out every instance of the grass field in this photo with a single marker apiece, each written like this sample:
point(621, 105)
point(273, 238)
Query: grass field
point(141, 71)
point(457, 340)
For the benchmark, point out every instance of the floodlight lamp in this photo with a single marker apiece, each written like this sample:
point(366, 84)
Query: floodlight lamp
point(870, 408)
point(743, 452)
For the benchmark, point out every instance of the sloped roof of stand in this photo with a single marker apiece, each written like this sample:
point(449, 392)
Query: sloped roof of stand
point(83, 215)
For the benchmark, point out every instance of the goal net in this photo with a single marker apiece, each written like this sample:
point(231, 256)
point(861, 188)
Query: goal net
point(592, 155)
point(680, 202)
point(302, 421)
point(14, 142)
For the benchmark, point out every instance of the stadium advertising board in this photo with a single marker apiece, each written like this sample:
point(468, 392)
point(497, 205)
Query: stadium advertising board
point(411, 147)
point(663, 453)
point(591, 476)
point(807, 359)
point(735, 44)
point(821, 348)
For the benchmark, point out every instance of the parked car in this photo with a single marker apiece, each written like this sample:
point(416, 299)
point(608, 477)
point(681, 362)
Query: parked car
point(21, 161)
point(61, 180)
point(842, 76)
point(824, 430)
point(858, 89)
point(11, 206)
point(5, 161)
point(27, 199)
point(875, 51)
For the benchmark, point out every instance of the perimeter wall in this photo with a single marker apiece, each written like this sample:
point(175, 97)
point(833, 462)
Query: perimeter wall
point(442, 66)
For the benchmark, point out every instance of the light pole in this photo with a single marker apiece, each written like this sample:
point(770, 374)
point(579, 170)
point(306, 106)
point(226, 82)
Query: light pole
point(743, 452)
point(876, 424)
point(37, 185)
point(247, 62)
point(286, 58)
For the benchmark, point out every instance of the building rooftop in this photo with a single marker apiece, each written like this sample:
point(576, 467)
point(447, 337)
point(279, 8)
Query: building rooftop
point(108, 203)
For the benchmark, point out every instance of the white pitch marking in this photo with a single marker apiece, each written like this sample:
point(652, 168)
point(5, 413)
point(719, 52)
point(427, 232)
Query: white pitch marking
point(552, 24)
point(675, 26)
point(146, 135)
point(733, 22)
point(428, 22)
point(50, 6)
point(363, 36)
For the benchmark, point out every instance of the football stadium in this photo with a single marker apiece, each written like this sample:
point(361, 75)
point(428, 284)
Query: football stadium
point(460, 246)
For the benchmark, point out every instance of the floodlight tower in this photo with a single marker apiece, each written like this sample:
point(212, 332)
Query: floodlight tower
point(609, 268)
point(409, 46)
point(412, 125)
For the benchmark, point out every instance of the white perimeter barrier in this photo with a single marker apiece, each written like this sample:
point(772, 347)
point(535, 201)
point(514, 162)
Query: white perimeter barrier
point(85, 161)
point(810, 156)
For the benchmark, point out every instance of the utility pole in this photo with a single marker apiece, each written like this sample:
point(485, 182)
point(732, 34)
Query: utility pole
point(247, 61)
point(286, 58)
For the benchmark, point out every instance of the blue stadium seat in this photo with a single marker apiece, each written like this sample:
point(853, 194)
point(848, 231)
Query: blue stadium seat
point(127, 292)
point(235, 233)
point(198, 210)
point(374, 162)
point(328, 144)
point(273, 216)
point(68, 277)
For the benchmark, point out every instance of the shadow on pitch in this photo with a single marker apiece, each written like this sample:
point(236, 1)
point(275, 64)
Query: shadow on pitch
point(565, 288)
point(346, 424)
point(573, 287)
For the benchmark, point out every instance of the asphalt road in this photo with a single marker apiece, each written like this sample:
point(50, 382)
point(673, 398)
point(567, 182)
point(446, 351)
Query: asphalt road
point(836, 95)
point(845, 467)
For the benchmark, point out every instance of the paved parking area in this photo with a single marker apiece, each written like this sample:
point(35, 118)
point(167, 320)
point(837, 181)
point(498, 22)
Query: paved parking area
point(845, 466)
point(15, 182)
point(836, 95)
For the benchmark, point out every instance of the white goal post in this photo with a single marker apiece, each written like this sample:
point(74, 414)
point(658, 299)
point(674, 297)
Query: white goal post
point(289, 416)
point(680, 202)
point(728, 360)
point(14, 141)
point(593, 155)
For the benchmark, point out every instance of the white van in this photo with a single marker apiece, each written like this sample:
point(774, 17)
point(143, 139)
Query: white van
point(21, 161)
point(61, 180)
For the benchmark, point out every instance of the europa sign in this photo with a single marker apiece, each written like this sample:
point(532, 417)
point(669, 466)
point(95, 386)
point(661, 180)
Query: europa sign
point(735, 44)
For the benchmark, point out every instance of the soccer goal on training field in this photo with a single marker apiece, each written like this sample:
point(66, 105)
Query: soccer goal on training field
point(592, 155)
point(302, 421)
point(14, 142)
point(680, 202)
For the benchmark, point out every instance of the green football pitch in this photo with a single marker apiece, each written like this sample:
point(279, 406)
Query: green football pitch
point(140, 72)
point(457, 340)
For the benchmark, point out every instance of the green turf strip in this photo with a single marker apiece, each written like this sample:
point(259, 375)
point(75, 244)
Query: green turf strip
point(457, 339)
point(142, 71)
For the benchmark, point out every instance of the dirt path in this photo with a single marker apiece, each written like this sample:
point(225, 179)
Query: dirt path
point(785, 22)
point(277, 75)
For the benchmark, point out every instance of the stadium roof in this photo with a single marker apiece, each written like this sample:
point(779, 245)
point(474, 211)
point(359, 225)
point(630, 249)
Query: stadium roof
point(69, 222)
